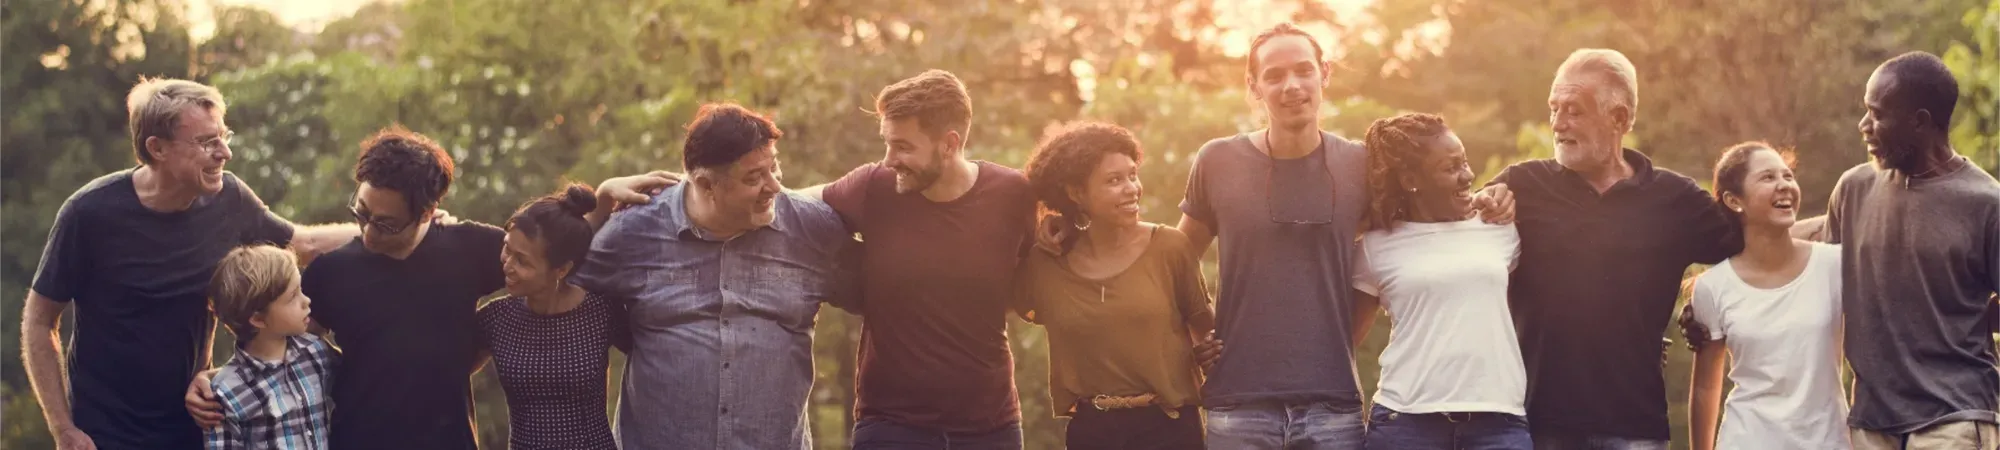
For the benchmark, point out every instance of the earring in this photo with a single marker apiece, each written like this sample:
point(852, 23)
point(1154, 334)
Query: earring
point(1082, 223)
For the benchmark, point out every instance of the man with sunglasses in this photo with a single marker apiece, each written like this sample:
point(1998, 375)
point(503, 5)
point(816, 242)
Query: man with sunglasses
point(133, 251)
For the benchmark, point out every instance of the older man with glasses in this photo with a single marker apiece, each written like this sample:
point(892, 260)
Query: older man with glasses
point(133, 251)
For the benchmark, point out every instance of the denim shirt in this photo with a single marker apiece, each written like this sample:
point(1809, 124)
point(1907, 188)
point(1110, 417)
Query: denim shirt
point(721, 351)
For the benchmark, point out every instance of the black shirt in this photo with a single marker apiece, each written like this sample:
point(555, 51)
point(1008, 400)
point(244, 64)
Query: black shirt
point(408, 336)
point(1596, 287)
point(139, 282)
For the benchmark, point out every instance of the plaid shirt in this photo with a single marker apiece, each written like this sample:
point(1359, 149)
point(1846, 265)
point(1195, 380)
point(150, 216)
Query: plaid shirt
point(270, 405)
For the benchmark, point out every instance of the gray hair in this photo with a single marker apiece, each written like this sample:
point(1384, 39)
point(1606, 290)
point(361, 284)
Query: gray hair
point(154, 108)
point(1612, 65)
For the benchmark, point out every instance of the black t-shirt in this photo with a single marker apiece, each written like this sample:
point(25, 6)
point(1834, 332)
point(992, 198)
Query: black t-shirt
point(1598, 278)
point(408, 336)
point(139, 282)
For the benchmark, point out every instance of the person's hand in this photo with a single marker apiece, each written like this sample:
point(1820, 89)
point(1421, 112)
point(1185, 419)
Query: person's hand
point(1208, 351)
point(1050, 233)
point(637, 189)
point(72, 438)
point(443, 217)
point(200, 401)
point(1495, 204)
point(1693, 331)
point(1666, 347)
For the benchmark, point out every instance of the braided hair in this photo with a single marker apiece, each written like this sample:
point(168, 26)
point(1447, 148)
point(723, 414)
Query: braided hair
point(1396, 145)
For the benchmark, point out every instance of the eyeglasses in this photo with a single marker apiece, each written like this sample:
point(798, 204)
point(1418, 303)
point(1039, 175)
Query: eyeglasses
point(369, 221)
point(1318, 211)
point(215, 144)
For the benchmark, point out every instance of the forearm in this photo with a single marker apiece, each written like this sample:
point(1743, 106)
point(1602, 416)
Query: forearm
point(817, 192)
point(1705, 397)
point(309, 241)
point(42, 356)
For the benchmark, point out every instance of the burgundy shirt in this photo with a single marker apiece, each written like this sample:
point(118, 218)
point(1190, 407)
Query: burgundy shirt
point(936, 280)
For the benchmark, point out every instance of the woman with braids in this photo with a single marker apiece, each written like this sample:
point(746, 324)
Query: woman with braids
point(1123, 300)
point(1773, 320)
point(1452, 375)
point(551, 340)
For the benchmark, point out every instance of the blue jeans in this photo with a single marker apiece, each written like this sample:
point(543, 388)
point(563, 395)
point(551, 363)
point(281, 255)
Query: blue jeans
point(1572, 441)
point(1290, 426)
point(1389, 429)
point(872, 433)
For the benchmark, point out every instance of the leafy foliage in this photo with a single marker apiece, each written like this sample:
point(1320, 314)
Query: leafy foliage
point(526, 94)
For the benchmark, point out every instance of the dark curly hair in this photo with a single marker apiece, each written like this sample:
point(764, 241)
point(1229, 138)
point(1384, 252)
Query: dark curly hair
point(1396, 144)
point(408, 163)
point(1066, 158)
point(557, 220)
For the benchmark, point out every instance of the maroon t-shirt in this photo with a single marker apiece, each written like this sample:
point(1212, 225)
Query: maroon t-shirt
point(936, 279)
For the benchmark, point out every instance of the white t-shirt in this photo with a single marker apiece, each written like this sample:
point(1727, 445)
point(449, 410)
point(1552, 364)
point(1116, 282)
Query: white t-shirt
point(1452, 346)
point(1784, 355)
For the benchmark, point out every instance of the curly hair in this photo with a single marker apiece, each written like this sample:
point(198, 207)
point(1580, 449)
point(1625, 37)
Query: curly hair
point(1066, 158)
point(936, 98)
point(1395, 145)
point(408, 163)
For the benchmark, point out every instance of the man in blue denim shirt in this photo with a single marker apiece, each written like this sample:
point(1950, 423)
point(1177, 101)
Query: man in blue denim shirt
point(723, 276)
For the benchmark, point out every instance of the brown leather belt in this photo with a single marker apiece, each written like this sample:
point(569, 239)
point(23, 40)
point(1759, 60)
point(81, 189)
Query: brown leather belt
point(1112, 402)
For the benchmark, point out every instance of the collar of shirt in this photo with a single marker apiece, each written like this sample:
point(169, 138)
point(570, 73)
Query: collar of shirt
point(683, 226)
point(1642, 173)
point(295, 348)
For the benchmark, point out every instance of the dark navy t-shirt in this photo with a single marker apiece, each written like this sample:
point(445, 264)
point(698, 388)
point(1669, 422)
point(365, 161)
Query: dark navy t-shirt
point(408, 335)
point(1286, 228)
point(139, 281)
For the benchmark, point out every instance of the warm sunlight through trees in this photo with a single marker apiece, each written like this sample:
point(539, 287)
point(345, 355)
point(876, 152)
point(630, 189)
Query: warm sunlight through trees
point(526, 93)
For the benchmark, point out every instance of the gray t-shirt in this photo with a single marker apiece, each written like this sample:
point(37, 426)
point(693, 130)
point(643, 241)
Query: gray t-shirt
point(1921, 261)
point(1284, 305)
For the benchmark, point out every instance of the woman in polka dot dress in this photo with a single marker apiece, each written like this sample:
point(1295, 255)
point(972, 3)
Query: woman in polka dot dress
point(550, 340)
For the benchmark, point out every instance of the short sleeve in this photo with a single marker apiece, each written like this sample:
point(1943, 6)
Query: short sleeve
point(265, 226)
point(1707, 305)
point(1366, 279)
point(616, 253)
point(618, 323)
point(1190, 289)
point(60, 276)
point(849, 195)
point(487, 243)
point(1507, 176)
point(1194, 201)
point(1712, 235)
point(326, 309)
point(487, 316)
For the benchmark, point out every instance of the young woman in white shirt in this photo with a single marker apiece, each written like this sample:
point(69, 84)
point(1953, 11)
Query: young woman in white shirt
point(1773, 321)
point(1452, 375)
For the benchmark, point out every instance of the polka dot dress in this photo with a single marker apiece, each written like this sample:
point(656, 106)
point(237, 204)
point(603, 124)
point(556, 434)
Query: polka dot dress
point(553, 368)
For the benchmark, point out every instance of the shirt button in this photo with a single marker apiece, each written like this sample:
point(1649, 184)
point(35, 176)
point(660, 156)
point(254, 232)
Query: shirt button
point(725, 365)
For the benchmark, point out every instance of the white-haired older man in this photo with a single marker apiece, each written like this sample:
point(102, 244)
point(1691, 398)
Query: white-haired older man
point(133, 251)
point(1605, 239)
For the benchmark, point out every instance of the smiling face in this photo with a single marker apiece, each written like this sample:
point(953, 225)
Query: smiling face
point(1288, 81)
point(748, 189)
point(917, 157)
point(1769, 194)
point(196, 151)
point(1443, 178)
point(1111, 192)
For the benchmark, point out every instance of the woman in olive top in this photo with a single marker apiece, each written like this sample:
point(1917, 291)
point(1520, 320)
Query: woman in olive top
point(1123, 302)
